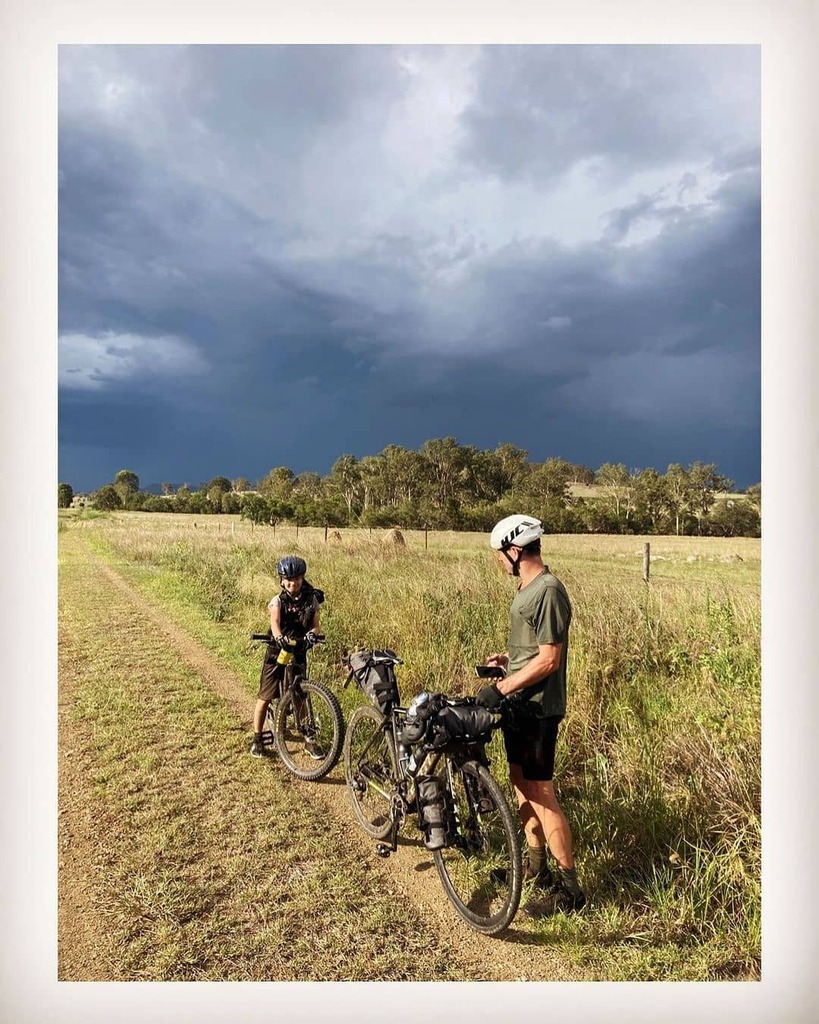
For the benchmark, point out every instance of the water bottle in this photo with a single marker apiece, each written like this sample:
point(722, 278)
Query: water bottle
point(288, 649)
point(416, 703)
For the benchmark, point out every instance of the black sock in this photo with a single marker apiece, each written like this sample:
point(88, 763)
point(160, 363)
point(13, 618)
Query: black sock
point(257, 737)
point(568, 877)
point(537, 859)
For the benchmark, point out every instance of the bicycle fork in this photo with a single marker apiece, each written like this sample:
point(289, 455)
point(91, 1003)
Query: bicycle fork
point(398, 812)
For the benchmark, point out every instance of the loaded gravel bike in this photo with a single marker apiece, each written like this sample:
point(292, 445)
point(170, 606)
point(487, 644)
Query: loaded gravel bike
point(305, 723)
point(429, 759)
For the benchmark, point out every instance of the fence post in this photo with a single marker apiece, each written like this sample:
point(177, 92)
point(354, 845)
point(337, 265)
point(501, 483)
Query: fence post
point(325, 533)
point(297, 531)
point(425, 537)
point(646, 560)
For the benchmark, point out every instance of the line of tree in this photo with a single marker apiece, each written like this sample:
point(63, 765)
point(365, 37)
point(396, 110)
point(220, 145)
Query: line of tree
point(448, 486)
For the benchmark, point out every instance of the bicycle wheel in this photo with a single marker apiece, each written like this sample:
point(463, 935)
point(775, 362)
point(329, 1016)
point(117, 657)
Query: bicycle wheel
point(370, 767)
point(481, 870)
point(309, 730)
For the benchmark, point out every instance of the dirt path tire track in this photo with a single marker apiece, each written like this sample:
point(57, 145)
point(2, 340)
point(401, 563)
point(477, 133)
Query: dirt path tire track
point(518, 955)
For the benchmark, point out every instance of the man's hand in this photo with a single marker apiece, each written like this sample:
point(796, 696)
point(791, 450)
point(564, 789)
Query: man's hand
point(490, 696)
point(499, 661)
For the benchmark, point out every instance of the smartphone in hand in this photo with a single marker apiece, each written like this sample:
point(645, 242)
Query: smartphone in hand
point(489, 672)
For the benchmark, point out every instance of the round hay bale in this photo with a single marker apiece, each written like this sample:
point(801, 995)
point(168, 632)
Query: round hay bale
point(393, 538)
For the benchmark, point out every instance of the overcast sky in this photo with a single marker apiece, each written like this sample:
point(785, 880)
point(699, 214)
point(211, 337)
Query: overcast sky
point(273, 255)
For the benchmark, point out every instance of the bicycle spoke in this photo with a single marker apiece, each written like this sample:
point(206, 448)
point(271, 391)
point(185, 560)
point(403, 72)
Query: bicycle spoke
point(481, 870)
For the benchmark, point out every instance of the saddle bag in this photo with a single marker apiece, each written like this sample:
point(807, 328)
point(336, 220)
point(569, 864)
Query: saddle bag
point(376, 677)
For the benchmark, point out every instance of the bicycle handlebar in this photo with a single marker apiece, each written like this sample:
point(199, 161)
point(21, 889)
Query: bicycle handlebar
point(311, 639)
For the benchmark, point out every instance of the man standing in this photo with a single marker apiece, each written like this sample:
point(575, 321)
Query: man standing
point(534, 683)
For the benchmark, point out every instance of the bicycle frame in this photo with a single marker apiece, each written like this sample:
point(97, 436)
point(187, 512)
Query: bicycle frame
point(402, 798)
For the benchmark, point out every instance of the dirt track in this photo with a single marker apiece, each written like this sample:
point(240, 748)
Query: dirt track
point(520, 955)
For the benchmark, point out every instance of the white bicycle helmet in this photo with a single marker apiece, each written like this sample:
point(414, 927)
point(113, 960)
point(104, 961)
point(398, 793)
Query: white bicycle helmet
point(515, 530)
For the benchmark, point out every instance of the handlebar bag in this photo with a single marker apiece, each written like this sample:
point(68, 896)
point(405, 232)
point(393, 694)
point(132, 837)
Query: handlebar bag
point(460, 723)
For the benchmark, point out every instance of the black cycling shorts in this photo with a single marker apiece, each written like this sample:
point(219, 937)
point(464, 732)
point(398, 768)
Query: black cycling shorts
point(530, 742)
point(272, 675)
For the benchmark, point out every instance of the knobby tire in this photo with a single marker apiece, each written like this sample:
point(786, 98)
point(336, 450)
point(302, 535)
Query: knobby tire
point(488, 842)
point(370, 768)
point(312, 705)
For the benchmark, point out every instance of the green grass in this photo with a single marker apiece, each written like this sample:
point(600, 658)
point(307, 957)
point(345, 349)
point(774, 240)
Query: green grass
point(210, 865)
point(659, 759)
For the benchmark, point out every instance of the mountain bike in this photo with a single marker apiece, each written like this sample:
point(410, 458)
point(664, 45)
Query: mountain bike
point(305, 723)
point(429, 759)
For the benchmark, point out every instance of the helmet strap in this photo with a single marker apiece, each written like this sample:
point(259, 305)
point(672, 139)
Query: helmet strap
point(515, 563)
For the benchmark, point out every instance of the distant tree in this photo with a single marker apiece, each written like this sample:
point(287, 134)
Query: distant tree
point(65, 495)
point(650, 497)
point(511, 463)
point(550, 479)
point(378, 517)
point(199, 503)
point(135, 502)
point(218, 483)
point(241, 483)
point(214, 496)
point(594, 516)
point(319, 511)
point(166, 488)
point(278, 510)
point(705, 482)
point(255, 508)
point(734, 517)
point(581, 474)
point(182, 499)
point(446, 464)
point(345, 479)
point(231, 503)
point(153, 503)
point(618, 486)
point(269, 511)
point(107, 498)
point(308, 485)
point(754, 495)
point(678, 492)
point(125, 484)
point(278, 483)
point(127, 479)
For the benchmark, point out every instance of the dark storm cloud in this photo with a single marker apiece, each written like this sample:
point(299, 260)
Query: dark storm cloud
point(276, 254)
point(626, 108)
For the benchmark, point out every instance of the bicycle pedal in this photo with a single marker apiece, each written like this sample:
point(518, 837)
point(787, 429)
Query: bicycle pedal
point(382, 850)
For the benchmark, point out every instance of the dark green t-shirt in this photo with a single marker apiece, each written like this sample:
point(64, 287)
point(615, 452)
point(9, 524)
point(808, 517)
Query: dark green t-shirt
point(540, 614)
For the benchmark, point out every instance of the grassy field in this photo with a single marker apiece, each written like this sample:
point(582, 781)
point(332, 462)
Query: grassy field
point(659, 758)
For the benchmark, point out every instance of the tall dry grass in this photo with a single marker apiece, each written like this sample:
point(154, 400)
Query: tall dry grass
point(659, 757)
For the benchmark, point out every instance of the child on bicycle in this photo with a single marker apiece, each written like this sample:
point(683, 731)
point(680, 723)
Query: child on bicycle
point(294, 613)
